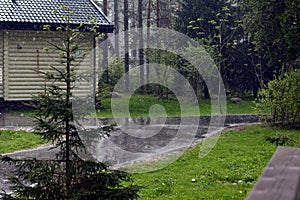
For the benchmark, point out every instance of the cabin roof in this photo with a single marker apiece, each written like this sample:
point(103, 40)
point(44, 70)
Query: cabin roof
point(34, 14)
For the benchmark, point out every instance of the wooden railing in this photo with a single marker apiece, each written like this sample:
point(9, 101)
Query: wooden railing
point(280, 179)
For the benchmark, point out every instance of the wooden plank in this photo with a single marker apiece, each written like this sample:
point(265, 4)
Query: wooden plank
point(280, 179)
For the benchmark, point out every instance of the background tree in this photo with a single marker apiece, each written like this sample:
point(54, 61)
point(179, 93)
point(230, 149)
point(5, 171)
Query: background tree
point(126, 48)
point(140, 13)
point(149, 9)
point(218, 35)
point(141, 45)
point(116, 24)
point(274, 29)
point(187, 22)
point(243, 67)
point(105, 46)
point(194, 9)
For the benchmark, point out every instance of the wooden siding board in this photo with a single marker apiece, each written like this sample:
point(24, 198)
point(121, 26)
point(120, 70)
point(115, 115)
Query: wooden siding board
point(5, 64)
point(20, 84)
point(24, 55)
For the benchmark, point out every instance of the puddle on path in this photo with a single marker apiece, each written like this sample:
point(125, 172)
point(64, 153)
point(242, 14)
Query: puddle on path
point(165, 129)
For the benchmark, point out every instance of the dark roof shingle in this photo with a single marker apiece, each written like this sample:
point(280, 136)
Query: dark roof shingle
point(32, 14)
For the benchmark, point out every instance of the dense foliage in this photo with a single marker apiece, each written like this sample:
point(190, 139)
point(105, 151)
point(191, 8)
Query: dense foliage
point(265, 43)
point(275, 29)
point(217, 26)
point(281, 99)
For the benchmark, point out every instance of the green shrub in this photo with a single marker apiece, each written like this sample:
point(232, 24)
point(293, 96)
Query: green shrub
point(108, 80)
point(280, 100)
point(279, 140)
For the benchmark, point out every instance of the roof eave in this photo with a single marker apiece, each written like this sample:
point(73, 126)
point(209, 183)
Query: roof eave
point(39, 26)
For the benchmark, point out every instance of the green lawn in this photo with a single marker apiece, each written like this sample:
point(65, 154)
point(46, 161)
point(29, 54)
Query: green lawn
point(139, 106)
point(18, 140)
point(229, 171)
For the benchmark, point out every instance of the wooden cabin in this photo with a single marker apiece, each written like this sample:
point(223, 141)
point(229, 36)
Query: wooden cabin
point(22, 41)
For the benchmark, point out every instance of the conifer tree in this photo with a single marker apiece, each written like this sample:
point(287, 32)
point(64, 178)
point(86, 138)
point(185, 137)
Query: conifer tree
point(67, 176)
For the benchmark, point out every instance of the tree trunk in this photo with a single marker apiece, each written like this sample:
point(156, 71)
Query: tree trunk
point(105, 47)
point(158, 13)
point(206, 92)
point(160, 89)
point(116, 19)
point(133, 20)
point(126, 25)
point(105, 7)
point(67, 115)
point(148, 38)
point(220, 68)
point(141, 45)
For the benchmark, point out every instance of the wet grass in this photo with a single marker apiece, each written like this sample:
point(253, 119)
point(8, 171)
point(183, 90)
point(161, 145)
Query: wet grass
point(229, 171)
point(11, 141)
point(139, 106)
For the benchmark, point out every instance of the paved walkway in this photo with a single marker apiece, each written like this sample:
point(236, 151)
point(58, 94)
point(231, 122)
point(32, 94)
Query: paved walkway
point(16, 122)
point(10, 120)
point(6, 169)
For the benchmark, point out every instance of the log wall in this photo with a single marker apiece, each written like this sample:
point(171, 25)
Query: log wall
point(23, 56)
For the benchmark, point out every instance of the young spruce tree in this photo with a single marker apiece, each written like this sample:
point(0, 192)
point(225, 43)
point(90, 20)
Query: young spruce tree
point(67, 176)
